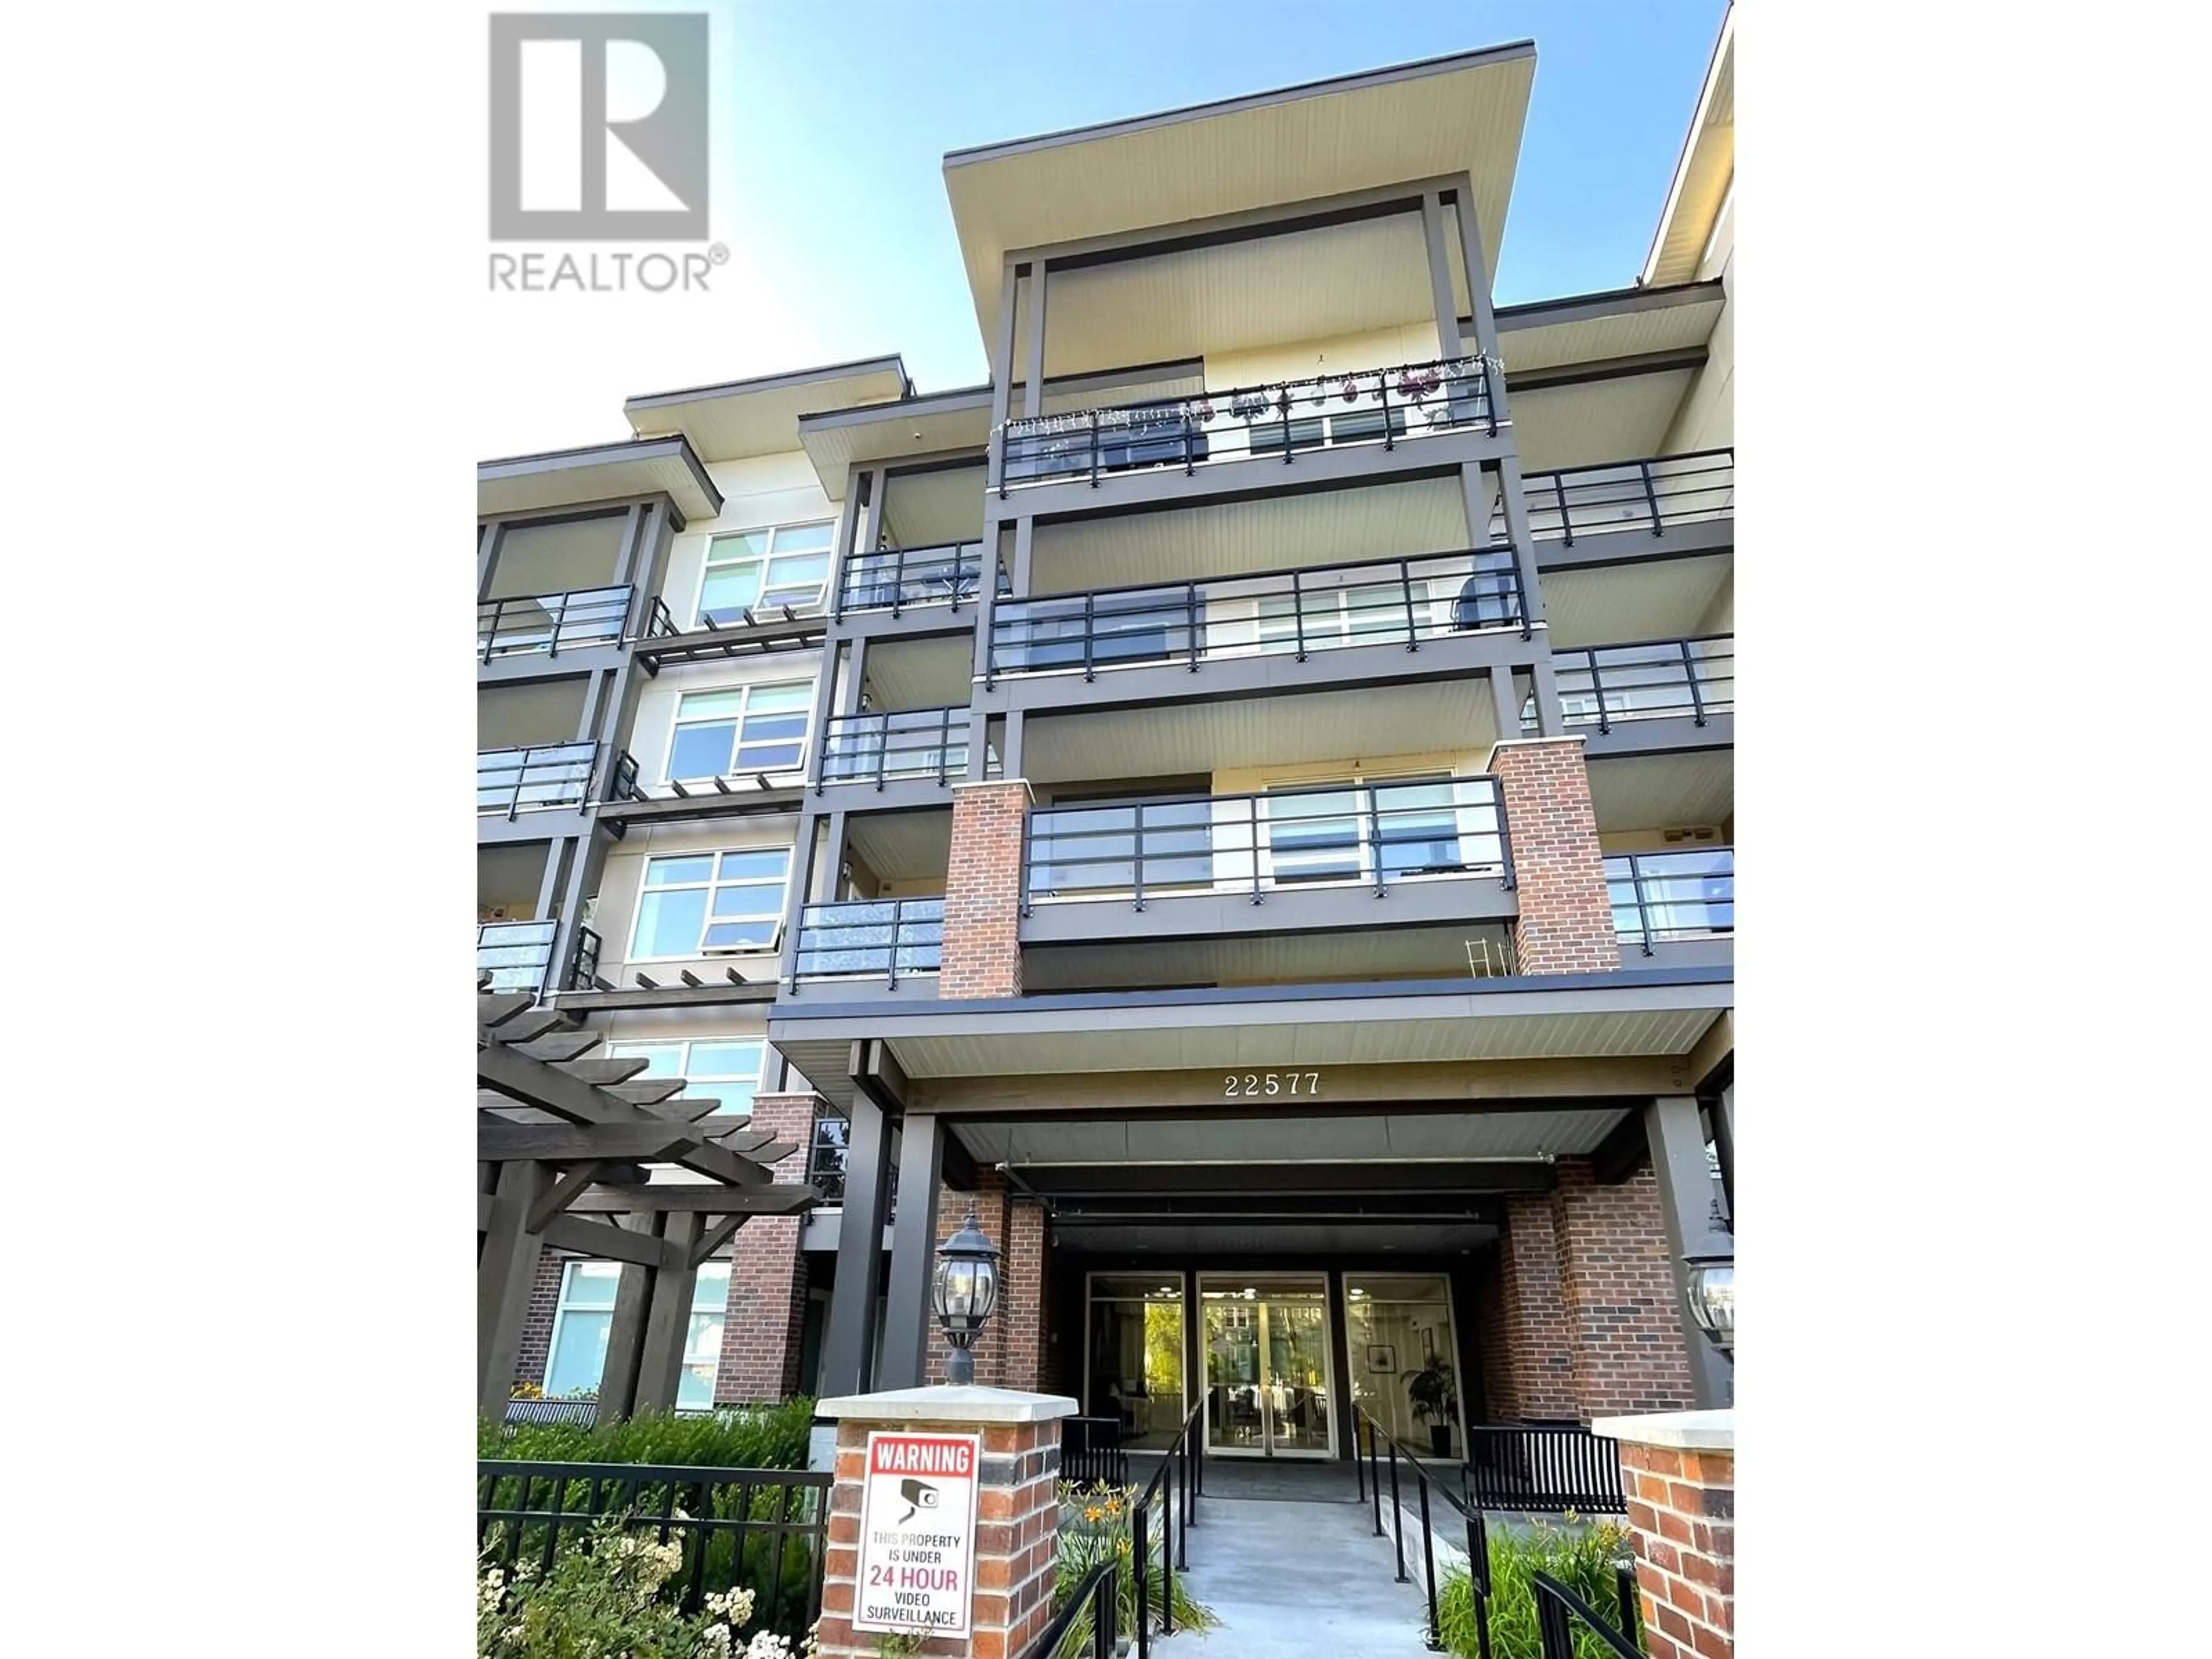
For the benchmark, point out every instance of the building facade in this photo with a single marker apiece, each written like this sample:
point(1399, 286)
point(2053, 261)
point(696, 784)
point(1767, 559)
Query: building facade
point(1243, 801)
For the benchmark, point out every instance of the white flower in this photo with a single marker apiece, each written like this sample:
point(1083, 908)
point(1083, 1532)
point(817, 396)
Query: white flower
point(768, 1645)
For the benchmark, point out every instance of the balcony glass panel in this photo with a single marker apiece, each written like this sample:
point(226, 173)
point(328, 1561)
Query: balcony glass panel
point(878, 939)
point(1657, 897)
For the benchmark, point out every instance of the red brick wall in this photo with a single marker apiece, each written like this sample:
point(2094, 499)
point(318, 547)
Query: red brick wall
point(1565, 924)
point(1010, 1353)
point(1528, 1350)
point(767, 1310)
point(537, 1324)
point(981, 957)
point(1619, 1287)
point(1681, 1516)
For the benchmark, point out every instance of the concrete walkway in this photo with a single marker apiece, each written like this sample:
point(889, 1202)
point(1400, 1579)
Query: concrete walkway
point(1291, 1579)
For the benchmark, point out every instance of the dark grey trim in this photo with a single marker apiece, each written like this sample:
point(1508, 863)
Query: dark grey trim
point(1177, 916)
point(1328, 1180)
point(913, 1248)
point(1412, 71)
point(1610, 368)
point(934, 403)
point(709, 995)
point(848, 1344)
point(1675, 1134)
point(675, 445)
point(1675, 735)
point(676, 809)
point(798, 377)
point(1622, 1152)
point(1595, 548)
point(1609, 302)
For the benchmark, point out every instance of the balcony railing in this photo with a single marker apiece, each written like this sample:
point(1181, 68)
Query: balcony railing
point(1291, 613)
point(1649, 495)
point(511, 782)
point(899, 579)
point(1609, 686)
point(1287, 418)
point(519, 956)
point(1659, 896)
point(870, 938)
point(549, 624)
point(917, 743)
point(1373, 833)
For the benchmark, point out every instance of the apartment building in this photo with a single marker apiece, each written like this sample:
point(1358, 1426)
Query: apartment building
point(1243, 801)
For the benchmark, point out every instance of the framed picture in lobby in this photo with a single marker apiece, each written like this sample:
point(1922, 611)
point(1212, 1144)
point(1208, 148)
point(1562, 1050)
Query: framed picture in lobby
point(1382, 1356)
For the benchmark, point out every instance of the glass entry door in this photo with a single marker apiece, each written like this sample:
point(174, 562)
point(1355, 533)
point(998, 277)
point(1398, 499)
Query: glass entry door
point(1267, 1372)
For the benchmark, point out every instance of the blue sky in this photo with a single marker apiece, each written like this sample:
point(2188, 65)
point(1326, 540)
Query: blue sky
point(846, 108)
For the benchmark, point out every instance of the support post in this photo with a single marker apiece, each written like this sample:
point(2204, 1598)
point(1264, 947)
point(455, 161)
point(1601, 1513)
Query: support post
point(1002, 374)
point(1722, 1111)
point(1686, 1190)
point(1033, 381)
point(668, 1318)
point(849, 1346)
point(914, 1252)
point(506, 1271)
point(626, 1332)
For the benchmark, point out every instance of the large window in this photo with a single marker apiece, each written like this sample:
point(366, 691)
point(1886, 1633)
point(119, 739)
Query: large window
point(697, 905)
point(714, 1069)
point(581, 1319)
point(703, 1343)
point(1398, 1330)
point(1135, 1355)
point(754, 728)
point(788, 565)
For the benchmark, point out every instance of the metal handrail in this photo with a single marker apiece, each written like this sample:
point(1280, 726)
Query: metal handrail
point(534, 777)
point(1185, 1459)
point(1370, 1475)
point(914, 742)
point(1648, 679)
point(894, 579)
point(1648, 492)
point(1382, 834)
point(527, 624)
point(1537, 1466)
point(1400, 601)
point(1356, 406)
point(1101, 1592)
point(869, 938)
point(1557, 1609)
point(1651, 904)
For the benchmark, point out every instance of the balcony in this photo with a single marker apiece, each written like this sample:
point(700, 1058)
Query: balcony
point(1690, 497)
point(512, 784)
point(1677, 907)
point(1370, 410)
point(1648, 697)
point(897, 580)
point(519, 957)
point(924, 746)
point(1292, 861)
point(547, 624)
point(887, 941)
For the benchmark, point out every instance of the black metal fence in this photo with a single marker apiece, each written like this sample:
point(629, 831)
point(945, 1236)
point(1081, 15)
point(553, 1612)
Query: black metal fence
point(1609, 685)
point(582, 1412)
point(899, 579)
point(1538, 1468)
point(1285, 419)
point(546, 624)
point(1174, 1492)
point(1558, 1610)
point(870, 938)
point(915, 743)
point(759, 1529)
point(1378, 833)
point(519, 957)
point(1088, 1623)
point(1649, 495)
point(1091, 1453)
point(1656, 896)
point(1290, 613)
point(533, 778)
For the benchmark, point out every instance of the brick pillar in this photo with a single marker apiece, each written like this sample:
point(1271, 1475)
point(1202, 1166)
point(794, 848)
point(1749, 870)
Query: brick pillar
point(1010, 1350)
point(1017, 1540)
point(1528, 1354)
point(536, 1349)
point(1678, 1472)
point(767, 1310)
point(982, 954)
point(1618, 1286)
point(1566, 924)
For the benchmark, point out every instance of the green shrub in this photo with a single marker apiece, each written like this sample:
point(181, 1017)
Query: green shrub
point(1581, 1558)
point(755, 1438)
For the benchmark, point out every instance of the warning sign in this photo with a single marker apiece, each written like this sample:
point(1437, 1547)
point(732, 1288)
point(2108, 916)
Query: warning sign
point(918, 1533)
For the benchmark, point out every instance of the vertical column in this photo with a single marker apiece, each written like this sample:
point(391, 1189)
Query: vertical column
point(1565, 921)
point(1722, 1110)
point(1440, 283)
point(668, 1317)
point(767, 1310)
point(1623, 1314)
point(507, 1273)
point(1532, 1373)
point(1002, 374)
point(1678, 1472)
point(848, 1345)
point(914, 1250)
point(619, 1377)
point(983, 955)
point(1033, 377)
point(1686, 1196)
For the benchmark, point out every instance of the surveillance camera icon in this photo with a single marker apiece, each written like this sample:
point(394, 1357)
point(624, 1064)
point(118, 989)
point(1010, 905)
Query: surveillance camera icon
point(919, 1495)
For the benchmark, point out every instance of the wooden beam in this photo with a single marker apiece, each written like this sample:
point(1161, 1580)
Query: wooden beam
point(484, 1212)
point(564, 1192)
point(497, 1007)
point(530, 1024)
point(561, 1045)
point(533, 1083)
point(1716, 1045)
point(715, 1238)
point(691, 1111)
point(605, 1241)
point(651, 1093)
point(698, 1200)
point(601, 1072)
point(500, 1142)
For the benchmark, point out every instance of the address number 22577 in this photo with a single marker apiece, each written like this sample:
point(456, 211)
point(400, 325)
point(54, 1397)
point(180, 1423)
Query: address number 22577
point(1270, 1083)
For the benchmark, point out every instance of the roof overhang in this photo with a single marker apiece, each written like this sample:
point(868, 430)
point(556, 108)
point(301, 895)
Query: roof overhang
point(1703, 171)
point(738, 420)
point(839, 440)
point(570, 478)
point(1439, 117)
point(1596, 328)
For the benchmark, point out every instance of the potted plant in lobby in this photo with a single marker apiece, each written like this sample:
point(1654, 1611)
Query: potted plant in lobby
point(1435, 1400)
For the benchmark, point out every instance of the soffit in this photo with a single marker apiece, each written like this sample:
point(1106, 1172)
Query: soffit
point(1619, 604)
point(1623, 418)
point(742, 419)
point(935, 673)
point(1702, 174)
point(1663, 792)
point(1377, 1137)
point(901, 846)
point(927, 510)
point(534, 483)
point(1637, 326)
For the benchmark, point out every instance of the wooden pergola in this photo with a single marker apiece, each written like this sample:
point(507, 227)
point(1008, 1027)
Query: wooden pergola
point(568, 1148)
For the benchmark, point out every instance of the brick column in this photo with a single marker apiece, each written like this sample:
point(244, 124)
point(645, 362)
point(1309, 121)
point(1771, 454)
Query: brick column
point(763, 1322)
point(1619, 1285)
point(1010, 1350)
point(1566, 924)
point(1678, 1472)
point(1018, 1513)
point(982, 954)
point(1529, 1343)
point(536, 1349)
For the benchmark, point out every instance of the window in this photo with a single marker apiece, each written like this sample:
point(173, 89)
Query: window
point(581, 1319)
point(703, 1343)
point(728, 1069)
point(753, 728)
point(788, 565)
point(695, 903)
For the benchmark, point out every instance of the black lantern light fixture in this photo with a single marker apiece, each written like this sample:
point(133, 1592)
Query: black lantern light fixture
point(1711, 1283)
point(964, 1293)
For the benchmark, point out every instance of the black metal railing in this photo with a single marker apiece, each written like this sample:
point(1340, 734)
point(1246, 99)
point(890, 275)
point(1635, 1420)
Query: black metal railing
point(1377, 834)
point(915, 743)
point(870, 938)
point(1543, 1468)
point(1291, 613)
point(1651, 494)
point(1384, 406)
point(519, 956)
point(1174, 1490)
point(622, 778)
point(899, 579)
point(1091, 1453)
point(1607, 685)
point(826, 1156)
point(1085, 1624)
point(546, 624)
point(585, 1412)
point(1657, 897)
point(1558, 1609)
point(763, 1529)
point(511, 782)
